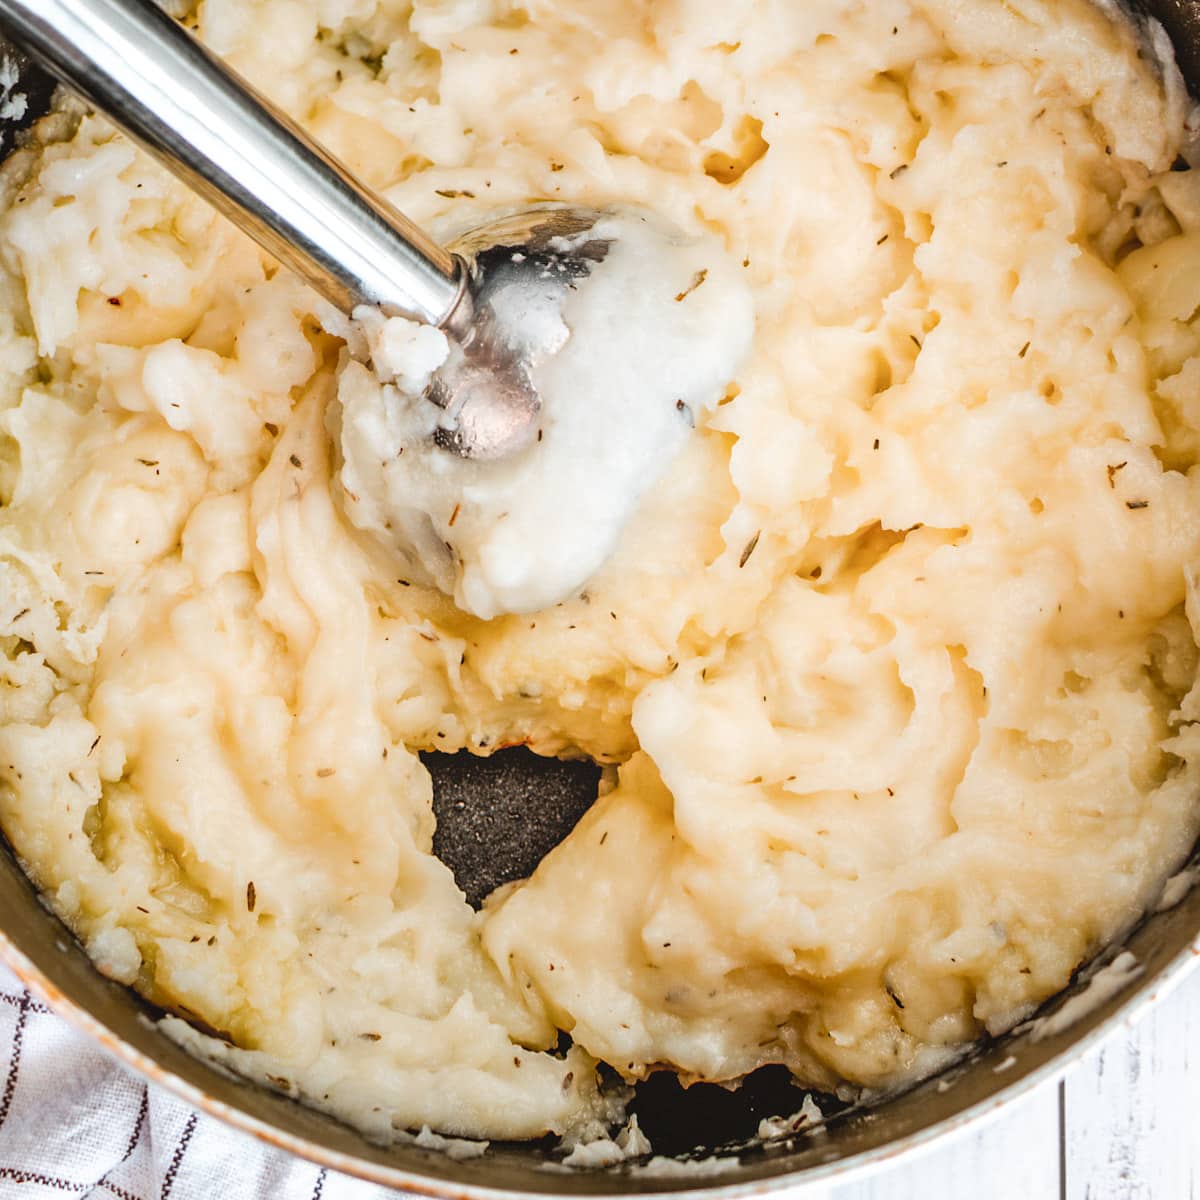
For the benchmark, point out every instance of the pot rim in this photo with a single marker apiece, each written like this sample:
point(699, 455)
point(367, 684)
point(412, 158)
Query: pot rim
point(1135, 997)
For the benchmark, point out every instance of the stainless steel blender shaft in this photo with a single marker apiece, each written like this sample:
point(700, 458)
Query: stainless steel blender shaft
point(158, 83)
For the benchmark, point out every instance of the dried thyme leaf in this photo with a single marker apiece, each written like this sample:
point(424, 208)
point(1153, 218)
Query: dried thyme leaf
point(697, 279)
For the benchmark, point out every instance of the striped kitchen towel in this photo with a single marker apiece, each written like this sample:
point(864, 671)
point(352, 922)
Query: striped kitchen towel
point(74, 1123)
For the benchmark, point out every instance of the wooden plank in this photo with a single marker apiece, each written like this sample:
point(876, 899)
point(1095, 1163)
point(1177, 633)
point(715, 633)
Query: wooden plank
point(1132, 1108)
point(1015, 1156)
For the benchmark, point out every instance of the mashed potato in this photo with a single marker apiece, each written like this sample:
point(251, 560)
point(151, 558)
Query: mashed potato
point(898, 660)
point(641, 349)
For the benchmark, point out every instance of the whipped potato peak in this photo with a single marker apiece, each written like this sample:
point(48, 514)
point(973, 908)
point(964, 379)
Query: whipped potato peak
point(652, 339)
point(402, 352)
point(892, 658)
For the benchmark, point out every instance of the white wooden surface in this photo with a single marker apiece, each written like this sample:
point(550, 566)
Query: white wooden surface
point(1123, 1125)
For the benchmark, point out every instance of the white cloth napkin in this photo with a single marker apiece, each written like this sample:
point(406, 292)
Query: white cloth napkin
point(74, 1123)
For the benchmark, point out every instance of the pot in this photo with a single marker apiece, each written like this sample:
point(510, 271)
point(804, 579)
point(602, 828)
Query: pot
point(710, 1133)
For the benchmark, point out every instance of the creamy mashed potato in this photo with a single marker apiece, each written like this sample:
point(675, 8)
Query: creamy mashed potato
point(644, 346)
point(898, 659)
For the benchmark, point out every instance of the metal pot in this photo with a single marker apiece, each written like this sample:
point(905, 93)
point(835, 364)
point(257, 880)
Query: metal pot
point(711, 1132)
